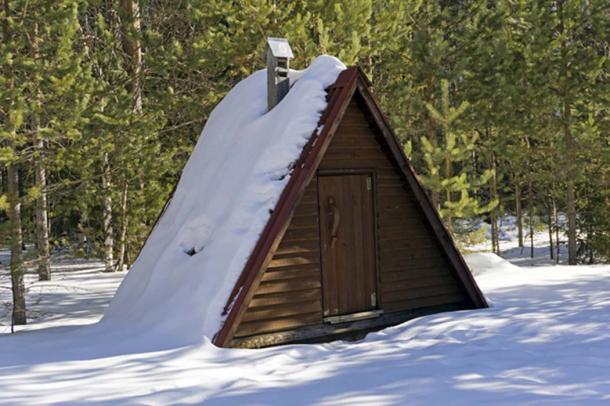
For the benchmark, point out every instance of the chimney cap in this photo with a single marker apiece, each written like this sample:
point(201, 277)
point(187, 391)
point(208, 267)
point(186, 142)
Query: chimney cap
point(279, 47)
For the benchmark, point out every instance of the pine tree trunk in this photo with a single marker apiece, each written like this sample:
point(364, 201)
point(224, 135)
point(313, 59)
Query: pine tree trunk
point(82, 238)
point(568, 141)
point(518, 211)
point(41, 229)
point(530, 211)
point(550, 226)
point(130, 30)
point(449, 217)
point(495, 235)
point(571, 212)
point(123, 232)
point(494, 231)
point(42, 220)
point(589, 237)
point(108, 251)
point(556, 225)
point(14, 213)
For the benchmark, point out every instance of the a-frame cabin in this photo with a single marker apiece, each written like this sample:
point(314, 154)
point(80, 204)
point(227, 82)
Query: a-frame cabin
point(353, 245)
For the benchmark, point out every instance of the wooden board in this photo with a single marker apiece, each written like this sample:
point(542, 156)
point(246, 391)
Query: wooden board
point(289, 295)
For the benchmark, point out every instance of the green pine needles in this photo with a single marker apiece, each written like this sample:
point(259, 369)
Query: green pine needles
point(448, 171)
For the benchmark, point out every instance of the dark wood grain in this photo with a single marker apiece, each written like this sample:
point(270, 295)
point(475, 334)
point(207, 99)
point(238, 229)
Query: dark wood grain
point(291, 283)
point(348, 258)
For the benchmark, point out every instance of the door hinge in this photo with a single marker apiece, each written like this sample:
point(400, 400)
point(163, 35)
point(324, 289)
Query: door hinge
point(374, 299)
point(369, 183)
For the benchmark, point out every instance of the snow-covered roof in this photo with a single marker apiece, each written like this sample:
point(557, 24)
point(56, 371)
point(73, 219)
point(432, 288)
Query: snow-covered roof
point(280, 48)
point(226, 194)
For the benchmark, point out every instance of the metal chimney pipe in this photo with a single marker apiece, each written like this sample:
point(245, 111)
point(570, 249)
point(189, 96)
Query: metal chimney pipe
point(277, 56)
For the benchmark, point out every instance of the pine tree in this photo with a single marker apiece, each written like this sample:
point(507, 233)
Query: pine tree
point(12, 112)
point(423, 53)
point(129, 160)
point(448, 172)
point(105, 101)
point(486, 85)
point(132, 48)
point(57, 96)
point(386, 61)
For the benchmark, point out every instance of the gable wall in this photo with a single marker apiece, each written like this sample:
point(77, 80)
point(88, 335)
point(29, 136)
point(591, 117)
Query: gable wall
point(413, 272)
point(413, 269)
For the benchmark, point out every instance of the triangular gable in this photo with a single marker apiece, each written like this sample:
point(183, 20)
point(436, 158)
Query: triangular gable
point(339, 95)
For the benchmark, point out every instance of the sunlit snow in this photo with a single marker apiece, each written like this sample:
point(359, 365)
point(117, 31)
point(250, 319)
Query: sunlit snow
point(180, 283)
point(546, 339)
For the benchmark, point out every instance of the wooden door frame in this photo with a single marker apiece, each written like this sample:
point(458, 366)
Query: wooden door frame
point(344, 172)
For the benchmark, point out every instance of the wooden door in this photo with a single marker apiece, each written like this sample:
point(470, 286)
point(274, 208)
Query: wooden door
point(348, 243)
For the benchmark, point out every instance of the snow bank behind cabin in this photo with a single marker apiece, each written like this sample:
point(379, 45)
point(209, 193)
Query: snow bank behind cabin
point(181, 280)
point(481, 262)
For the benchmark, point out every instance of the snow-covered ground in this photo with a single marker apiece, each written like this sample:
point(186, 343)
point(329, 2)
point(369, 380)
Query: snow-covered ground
point(545, 340)
point(509, 246)
point(78, 294)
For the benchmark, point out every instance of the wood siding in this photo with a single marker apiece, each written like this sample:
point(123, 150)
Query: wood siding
point(290, 294)
point(413, 271)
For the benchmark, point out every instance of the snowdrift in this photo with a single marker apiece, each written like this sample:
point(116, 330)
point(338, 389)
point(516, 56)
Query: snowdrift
point(181, 280)
point(481, 262)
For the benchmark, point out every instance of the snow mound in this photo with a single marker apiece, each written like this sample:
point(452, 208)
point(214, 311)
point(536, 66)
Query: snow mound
point(181, 280)
point(490, 268)
point(482, 262)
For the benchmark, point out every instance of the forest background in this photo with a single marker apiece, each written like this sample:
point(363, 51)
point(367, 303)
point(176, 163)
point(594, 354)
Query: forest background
point(502, 105)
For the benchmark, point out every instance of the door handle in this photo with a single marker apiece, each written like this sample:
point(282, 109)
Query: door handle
point(335, 216)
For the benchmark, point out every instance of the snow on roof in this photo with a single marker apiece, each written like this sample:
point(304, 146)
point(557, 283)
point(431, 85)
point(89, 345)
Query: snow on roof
point(179, 284)
point(280, 48)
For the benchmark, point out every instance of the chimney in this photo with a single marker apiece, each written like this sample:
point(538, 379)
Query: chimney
point(277, 56)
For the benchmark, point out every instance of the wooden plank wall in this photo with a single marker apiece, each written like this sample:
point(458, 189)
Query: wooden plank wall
point(290, 294)
point(413, 270)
